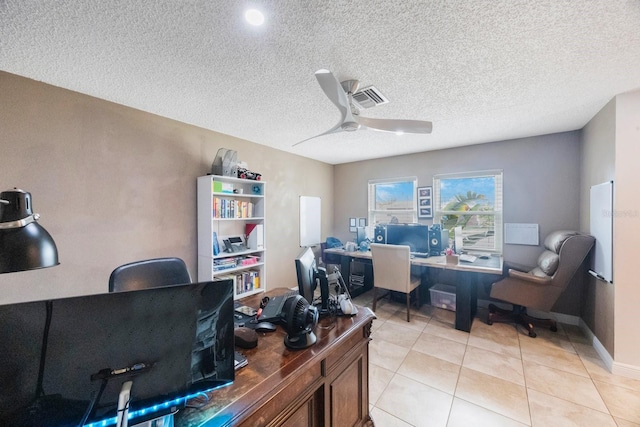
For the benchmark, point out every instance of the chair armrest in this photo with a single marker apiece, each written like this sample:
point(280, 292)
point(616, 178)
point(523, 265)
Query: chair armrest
point(514, 266)
point(515, 274)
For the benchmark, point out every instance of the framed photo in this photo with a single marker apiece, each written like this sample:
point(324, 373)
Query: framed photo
point(425, 204)
point(362, 222)
point(352, 225)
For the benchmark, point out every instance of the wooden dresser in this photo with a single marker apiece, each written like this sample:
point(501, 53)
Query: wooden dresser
point(326, 384)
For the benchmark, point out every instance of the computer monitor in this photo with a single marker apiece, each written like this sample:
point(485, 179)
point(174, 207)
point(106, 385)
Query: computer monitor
point(172, 342)
point(309, 276)
point(416, 236)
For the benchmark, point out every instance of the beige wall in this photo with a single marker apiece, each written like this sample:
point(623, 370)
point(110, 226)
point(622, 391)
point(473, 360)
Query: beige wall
point(115, 185)
point(598, 166)
point(541, 182)
point(626, 233)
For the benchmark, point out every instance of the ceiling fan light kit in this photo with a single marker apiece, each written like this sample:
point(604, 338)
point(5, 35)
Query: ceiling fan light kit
point(342, 96)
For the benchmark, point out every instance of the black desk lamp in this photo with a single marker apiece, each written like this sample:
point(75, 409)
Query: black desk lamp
point(24, 244)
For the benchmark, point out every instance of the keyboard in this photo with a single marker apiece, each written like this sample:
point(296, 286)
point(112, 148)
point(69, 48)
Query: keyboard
point(468, 258)
point(273, 309)
point(420, 254)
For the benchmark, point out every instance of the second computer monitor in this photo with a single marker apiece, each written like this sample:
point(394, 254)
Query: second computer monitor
point(416, 236)
point(307, 273)
point(309, 276)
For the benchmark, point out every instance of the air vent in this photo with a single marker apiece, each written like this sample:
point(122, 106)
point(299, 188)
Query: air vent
point(369, 97)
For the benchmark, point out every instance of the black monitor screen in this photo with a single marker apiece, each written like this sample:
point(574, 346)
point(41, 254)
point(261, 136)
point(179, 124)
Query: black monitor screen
point(174, 341)
point(416, 236)
point(307, 273)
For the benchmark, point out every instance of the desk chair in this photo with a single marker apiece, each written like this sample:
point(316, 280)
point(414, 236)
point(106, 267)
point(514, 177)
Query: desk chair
point(329, 259)
point(392, 271)
point(540, 287)
point(149, 273)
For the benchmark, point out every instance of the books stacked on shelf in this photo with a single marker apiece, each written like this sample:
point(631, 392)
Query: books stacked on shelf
point(230, 208)
point(224, 263)
point(249, 260)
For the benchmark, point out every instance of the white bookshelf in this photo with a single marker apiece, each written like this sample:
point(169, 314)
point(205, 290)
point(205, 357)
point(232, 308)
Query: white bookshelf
point(226, 206)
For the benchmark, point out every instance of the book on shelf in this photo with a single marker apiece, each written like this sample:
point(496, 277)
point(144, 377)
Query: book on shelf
point(216, 245)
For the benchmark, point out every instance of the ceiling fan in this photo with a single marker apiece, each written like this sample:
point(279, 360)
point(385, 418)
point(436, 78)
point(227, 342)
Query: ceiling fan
point(341, 94)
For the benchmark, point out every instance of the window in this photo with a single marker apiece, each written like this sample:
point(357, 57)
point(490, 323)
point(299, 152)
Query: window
point(391, 200)
point(472, 201)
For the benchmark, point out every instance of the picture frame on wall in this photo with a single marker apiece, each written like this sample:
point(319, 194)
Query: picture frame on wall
point(425, 202)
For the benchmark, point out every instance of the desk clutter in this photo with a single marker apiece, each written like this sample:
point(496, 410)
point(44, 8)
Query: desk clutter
point(290, 310)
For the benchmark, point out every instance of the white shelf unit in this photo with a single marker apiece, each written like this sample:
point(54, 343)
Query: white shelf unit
point(226, 206)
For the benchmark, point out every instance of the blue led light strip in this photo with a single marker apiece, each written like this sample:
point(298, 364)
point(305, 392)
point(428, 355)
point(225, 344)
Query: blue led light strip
point(149, 410)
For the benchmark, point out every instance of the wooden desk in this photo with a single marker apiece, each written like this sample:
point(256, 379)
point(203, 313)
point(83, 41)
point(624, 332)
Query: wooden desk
point(325, 384)
point(466, 279)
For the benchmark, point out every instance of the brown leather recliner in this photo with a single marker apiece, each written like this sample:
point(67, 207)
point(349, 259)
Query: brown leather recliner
point(540, 287)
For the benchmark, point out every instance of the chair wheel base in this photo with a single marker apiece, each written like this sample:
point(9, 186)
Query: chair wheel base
point(519, 316)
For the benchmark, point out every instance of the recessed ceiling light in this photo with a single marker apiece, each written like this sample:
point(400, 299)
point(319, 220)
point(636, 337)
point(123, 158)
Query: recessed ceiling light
point(399, 133)
point(254, 17)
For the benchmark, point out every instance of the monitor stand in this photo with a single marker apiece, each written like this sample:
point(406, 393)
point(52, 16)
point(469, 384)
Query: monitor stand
point(323, 309)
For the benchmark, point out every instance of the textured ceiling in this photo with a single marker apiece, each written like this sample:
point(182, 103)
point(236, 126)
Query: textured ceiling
point(479, 70)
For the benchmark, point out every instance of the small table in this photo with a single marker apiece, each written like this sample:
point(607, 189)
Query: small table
point(466, 280)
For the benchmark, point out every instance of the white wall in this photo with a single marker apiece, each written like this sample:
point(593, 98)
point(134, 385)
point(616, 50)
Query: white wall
point(626, 233)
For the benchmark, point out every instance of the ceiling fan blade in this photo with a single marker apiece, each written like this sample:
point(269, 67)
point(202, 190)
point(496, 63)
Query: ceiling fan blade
point(334, 129)
point(332, 88)
point(392, 125)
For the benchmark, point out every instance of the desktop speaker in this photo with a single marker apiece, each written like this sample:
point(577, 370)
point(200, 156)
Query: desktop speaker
point(438, 241)
point(380, 234)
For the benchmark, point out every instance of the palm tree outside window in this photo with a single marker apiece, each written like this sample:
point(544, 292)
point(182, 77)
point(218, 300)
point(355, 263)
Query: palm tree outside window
point(473, 201)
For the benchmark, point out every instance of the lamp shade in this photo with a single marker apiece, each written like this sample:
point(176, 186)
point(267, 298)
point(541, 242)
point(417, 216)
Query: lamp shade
point(24, 244)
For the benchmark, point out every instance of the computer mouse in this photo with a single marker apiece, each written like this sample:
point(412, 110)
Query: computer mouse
point(484, 257)
point(265, 327)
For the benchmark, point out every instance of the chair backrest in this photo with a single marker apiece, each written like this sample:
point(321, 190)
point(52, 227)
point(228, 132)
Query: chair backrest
point(572, 252)
point(391, 266)
point(329, 258)
point(565, 252)
point(151, 273)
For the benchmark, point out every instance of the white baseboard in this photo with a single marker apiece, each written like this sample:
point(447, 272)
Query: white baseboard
point(617, 368)
point(597, 345)
point(625, 370)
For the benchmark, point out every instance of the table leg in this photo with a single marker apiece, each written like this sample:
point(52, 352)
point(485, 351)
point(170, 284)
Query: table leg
point(466, 301)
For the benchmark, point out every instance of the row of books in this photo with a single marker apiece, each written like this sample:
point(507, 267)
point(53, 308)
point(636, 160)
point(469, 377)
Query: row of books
point(230, 208)
point(245, 281)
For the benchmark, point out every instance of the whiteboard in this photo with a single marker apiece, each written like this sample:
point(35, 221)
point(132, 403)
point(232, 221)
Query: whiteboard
point(521, 234)
point(309, 221)
point(601, 227)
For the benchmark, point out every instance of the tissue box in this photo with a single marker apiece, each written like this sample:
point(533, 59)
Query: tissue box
point(443, 296)
point(451, 259)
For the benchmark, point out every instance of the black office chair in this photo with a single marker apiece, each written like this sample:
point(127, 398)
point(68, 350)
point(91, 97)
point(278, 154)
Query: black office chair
point(151, 273)
point(329, 260)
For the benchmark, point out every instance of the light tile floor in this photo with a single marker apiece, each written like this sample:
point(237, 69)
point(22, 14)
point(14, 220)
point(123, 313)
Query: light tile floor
point(426, 373)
